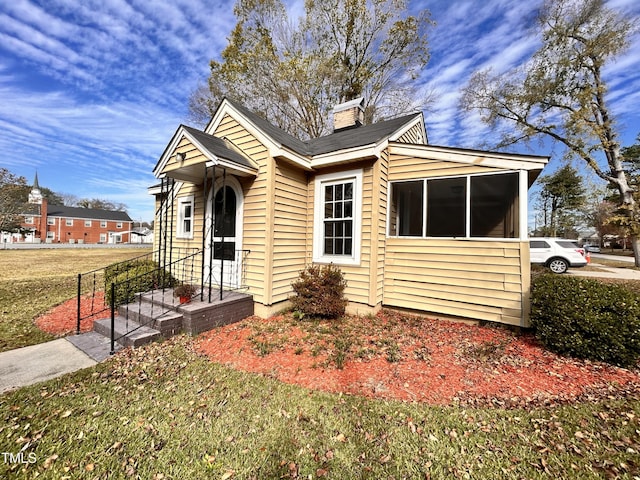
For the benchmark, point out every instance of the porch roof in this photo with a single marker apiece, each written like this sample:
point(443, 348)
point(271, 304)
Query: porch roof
point(217, 151)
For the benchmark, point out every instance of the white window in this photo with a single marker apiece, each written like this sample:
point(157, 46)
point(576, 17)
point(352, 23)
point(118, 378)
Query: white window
point(119, 225)
point(69, 222)
point(337, 218)
point(51, 235)
point(103, 224)
point(185, 217)
point(51, 221)
point(103, 237)
point(87, 223)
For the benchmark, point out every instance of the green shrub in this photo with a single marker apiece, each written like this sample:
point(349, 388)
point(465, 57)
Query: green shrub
point(319, 292)
point(140, 276)
point(112, 271)
point(586, 319)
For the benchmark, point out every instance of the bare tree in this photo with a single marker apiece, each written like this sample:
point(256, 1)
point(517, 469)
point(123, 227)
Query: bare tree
point(294, 73)
point(561, 93)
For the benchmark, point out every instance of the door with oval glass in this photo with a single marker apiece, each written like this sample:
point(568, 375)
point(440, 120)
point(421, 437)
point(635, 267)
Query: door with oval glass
point(223, 264)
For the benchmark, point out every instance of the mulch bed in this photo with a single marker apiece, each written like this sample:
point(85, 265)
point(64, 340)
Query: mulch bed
point(63, 319)
point(396, 356)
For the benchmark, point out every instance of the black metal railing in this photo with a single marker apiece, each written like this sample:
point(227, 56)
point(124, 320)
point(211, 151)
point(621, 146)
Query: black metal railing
point(154, 288)
point(126, 286)
point(92, 297)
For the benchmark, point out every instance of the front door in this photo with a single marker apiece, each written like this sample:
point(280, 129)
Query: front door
point(223, 264)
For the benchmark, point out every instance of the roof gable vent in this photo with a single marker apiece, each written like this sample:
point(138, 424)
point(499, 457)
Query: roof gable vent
point(348, 115)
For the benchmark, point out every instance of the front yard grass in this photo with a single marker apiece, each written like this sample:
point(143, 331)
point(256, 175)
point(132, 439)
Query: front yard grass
point(164, 412)
point(33, 281)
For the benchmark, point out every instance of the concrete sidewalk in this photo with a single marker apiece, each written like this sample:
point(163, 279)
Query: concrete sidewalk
point(36, 363)
point(606, 272)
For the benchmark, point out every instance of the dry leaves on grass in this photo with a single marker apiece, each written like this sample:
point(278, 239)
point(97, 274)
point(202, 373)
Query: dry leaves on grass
point(410, 358)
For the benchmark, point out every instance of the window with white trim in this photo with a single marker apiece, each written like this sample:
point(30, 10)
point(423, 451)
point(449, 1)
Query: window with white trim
point(337, 222)
point(119, 225)
point(185, 217)
point(103, 224)
point(469, 206)
point(51, 221)
point(87, 223)
point(69, 222)
point(28, 220)
point(103, 237)
point(51, 235)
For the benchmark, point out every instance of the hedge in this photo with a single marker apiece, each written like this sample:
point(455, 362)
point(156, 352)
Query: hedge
point(586, 319)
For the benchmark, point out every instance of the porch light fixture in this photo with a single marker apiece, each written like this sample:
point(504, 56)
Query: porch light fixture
point(180, 157)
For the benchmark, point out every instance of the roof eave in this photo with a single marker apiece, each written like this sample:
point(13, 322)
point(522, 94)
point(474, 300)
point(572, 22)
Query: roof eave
point(511, 161)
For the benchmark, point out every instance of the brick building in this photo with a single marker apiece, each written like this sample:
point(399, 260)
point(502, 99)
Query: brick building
point(44, 223)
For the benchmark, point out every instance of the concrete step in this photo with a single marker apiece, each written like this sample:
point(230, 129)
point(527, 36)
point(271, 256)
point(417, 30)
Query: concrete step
point(97, 346)
point(167, 321)
point(139, 334)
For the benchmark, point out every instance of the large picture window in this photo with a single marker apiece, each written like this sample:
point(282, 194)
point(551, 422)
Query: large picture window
point(337, 217)
point(470, 206)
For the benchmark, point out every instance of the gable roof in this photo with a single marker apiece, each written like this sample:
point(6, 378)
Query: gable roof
point(87, 213)
point(217, 150)
point(218, 147)
point(304, 152)
point(359, 136)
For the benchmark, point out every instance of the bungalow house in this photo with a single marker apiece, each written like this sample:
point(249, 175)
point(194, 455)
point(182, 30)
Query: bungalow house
point(411, 225)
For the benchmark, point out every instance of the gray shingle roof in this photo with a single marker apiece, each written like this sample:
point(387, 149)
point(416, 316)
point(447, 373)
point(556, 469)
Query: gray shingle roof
point(87, 213)
point(219, 147)
point(343, 139)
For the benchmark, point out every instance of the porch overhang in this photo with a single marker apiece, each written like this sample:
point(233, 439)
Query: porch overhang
point(192, 152)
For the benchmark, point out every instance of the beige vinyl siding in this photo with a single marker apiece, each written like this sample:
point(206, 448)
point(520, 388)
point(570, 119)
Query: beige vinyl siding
point(413, 135)
point(256, 222)
point(357, 276)
point(290, 228)
point(411, 168)
point(480, 280)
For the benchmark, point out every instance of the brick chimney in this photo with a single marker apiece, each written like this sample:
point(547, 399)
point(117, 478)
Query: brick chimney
point(348, 115)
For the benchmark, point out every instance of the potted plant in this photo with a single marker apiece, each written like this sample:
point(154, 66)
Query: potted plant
point(184, 292)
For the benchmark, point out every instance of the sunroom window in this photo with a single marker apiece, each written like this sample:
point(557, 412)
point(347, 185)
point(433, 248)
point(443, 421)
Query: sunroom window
point(470, 206)
point(407, 215)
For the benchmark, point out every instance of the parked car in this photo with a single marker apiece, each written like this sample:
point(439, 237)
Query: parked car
point(558, 254)
point(592, 248)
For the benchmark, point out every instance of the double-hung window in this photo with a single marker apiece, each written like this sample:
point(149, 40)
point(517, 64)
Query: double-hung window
point(185, 217)
point(337, 222)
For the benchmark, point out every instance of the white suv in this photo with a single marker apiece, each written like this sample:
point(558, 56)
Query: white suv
point(556, 253)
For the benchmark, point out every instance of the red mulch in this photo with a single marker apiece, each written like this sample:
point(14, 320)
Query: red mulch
point(396, 356)
point(63, 319)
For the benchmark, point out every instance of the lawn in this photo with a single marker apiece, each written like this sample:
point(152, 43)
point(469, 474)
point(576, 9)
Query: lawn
point(33, 281)
point(165, 411)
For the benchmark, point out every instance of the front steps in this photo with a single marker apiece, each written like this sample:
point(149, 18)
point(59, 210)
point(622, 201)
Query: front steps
point(155, 315)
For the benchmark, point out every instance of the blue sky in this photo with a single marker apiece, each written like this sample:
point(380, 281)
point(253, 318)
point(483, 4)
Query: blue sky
point(92, 91)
